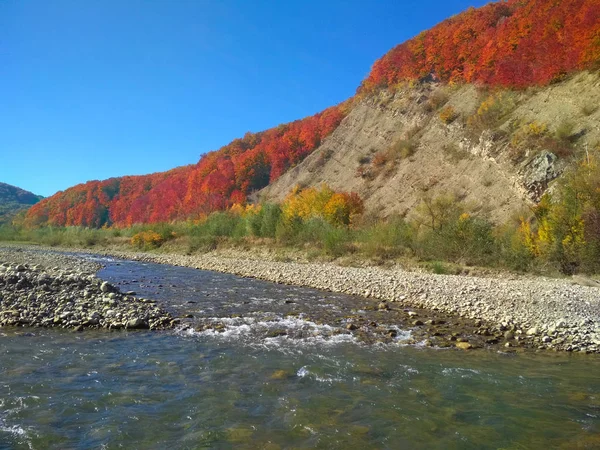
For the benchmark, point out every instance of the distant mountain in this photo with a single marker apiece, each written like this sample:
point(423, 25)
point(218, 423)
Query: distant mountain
point(488, 101)
point(13, 200)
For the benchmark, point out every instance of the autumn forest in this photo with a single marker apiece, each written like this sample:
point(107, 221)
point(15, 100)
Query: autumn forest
point(515, 44)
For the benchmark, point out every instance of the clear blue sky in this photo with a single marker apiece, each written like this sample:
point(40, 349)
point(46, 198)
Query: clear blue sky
point(96, 89)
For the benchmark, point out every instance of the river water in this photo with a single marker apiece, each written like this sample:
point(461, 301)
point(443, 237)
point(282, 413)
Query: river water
point(264, 366)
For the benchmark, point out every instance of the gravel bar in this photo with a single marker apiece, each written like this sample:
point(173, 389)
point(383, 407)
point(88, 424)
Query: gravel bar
point(546, 313)
point(48, 289)
point(538, 312)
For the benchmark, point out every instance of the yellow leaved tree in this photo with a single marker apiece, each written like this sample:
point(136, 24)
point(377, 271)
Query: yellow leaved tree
point(337, 208)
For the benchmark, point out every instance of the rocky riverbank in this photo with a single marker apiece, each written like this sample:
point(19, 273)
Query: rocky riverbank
point(540, 313)
point(53, 290)
point(511, 313)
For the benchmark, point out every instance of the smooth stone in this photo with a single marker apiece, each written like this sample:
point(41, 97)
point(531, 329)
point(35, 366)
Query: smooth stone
point(463, 345)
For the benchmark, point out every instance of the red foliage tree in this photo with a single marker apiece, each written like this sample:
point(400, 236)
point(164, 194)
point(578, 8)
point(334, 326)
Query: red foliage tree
point(219, 180)
point(516, 43)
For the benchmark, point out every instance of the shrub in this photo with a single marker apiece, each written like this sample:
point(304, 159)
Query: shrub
point(366, 173)
point(380, 159)
point(454, 152)
point(364, 159)
point(324, 156)
point(565, 131)
point(287, 230)
point(413, 132)
point(534, 136)
point(492, 111)
point(436, 213)
point(147, 240)
point(438, 99)
point(438, 268)
point(337, 208)
point(566, 231)
point(528, 133)
point(9, 233)
point(448, 232)
point(515, 249)
point(263, 223)
point(202, 243)
point(402, 149)
point(448, 115)
point(387, 239)
point(466, 240)
point(385, 161)
point(335, 241)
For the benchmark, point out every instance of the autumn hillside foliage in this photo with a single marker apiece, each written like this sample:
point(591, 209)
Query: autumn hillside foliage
point(515, 43)
point(219, 180)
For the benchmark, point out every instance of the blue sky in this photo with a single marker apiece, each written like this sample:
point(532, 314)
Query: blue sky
point(96, 89)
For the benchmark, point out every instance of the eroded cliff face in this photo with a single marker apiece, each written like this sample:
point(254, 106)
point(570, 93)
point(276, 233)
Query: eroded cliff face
point(396, 147)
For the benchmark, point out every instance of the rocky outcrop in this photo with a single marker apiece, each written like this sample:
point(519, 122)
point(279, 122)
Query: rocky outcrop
point(539, 172)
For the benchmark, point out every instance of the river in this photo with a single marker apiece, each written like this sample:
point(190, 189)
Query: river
point(258, 365)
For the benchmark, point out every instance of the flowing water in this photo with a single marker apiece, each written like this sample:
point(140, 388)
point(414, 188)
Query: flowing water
point(277, 372)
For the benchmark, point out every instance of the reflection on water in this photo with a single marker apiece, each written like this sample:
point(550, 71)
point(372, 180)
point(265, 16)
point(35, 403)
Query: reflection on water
point(243, 387)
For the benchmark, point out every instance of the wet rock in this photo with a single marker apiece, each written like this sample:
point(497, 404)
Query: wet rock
point(464, 345)
point(137, 323)
point(280, 375)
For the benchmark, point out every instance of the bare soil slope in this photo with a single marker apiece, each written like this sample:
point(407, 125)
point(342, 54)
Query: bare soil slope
point(395, 147)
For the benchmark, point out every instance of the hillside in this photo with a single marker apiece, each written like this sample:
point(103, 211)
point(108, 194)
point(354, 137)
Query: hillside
point(421, 102)
point(13, 200)
point(219, 180)
point(396, 147)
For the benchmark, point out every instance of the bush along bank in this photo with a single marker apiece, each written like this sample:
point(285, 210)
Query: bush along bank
point(52, 297)
point(561, 234)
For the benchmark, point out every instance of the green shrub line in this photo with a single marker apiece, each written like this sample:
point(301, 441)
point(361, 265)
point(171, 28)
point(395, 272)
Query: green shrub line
point(560, 235)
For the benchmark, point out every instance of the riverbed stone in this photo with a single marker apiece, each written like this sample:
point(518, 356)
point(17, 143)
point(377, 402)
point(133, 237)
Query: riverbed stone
point(464, 345)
